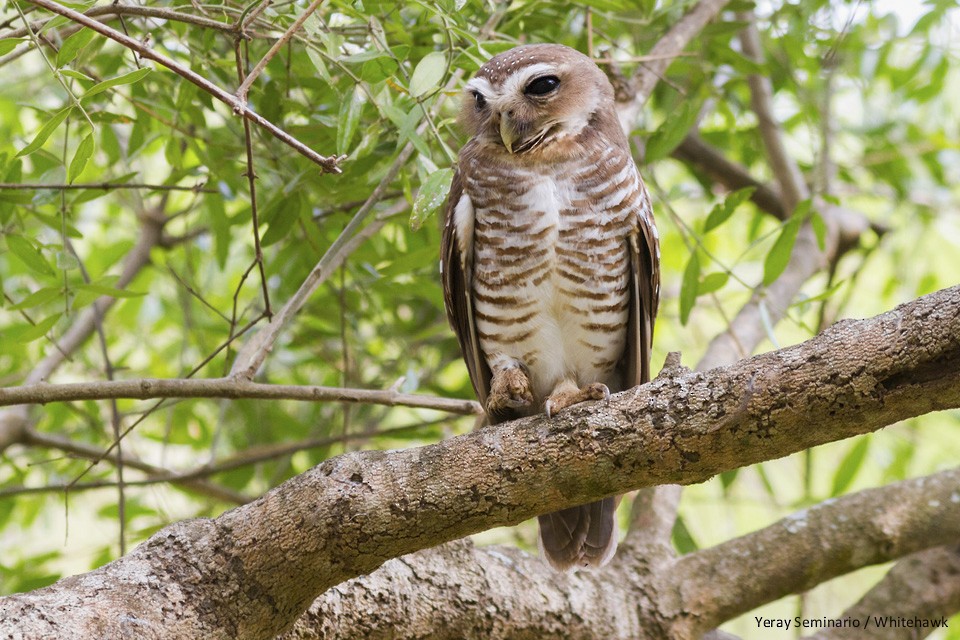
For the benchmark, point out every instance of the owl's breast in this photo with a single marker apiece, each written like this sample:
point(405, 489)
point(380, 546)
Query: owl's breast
point(550, 276)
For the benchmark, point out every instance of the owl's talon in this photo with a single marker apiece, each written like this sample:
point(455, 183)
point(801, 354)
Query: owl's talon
point(509, 392)
point(562, 398)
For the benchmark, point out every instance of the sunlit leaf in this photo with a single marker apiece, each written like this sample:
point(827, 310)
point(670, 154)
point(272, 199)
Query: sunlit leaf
point(73, 45)
point(349, 119)
point(850, 465)
point(127, 78)
point(428, 74)
point(29, 255)
point(9, 44)
point(29, 333)
point(689, 286)
point(779, 254)
point(80, 157)
point(48, 128)
point(432, 194)
point(37, 298)
point(722, 212)
point(666, 138)
point(712, 282)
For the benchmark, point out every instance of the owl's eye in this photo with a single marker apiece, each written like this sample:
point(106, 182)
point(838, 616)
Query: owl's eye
point(481, 101)
point(542, 86)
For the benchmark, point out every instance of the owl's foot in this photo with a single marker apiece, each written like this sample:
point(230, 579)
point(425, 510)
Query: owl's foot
point(566, 395)
point(510, 392)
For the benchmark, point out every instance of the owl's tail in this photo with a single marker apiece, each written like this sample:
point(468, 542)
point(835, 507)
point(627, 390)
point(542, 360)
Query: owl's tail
point(580, 536)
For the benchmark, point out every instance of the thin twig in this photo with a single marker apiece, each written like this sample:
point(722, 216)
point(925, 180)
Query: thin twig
point(103, 186)
point(648, 74)
point(92, 452)
point(117, 9)
point(328, 164)
point(252, 182)
point(244, 87)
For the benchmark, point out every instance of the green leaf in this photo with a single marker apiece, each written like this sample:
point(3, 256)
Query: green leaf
point(29, 255)
point(37, 298)
point(29, 333)
point(689, 286)
point(850, 465)
point(76, 75)
point(776, 261)
point(67, 261)
point(428, 74)
point(319, 65)
point(722, 212)
point(80, 158)
point(374, 71)
point(819, 229)
point(349, 119)
point(432, 194)
point(73, 45)
point(683, 540)
point(127, 78)
point(45, 131)
point(712, 282)
point(9, 44)
point(672, 131)
point(282, 219)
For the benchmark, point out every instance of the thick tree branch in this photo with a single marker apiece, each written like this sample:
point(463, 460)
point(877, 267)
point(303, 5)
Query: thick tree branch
point(253, 570)
point(817, 544)
point(145, 389)
point(923, 587)
point(694, 150)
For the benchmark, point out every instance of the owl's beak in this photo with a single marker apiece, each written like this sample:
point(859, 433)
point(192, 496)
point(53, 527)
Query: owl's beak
point(508, 133)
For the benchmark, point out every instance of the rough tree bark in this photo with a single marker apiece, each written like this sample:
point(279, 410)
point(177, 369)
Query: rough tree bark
point(251, 572)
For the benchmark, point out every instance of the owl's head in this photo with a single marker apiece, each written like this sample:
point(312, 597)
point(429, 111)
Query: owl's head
point(530, 97)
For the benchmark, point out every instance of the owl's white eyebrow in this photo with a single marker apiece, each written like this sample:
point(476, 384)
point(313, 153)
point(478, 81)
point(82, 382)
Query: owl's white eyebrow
point(480, 85)
point(520, 80)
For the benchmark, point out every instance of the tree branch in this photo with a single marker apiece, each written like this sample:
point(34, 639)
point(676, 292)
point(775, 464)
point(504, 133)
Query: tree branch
point(90, 452)
point(817, 544)
point(667, 49)
point(352, 513)
point(244, 87)
point(116, 9)
point(923, 586)
point(328, 164)
point(694, 150)
point(145, 389)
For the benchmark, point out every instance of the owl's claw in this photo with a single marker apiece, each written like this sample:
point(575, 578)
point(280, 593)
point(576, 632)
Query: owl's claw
point(560, 399)
point(509, 392)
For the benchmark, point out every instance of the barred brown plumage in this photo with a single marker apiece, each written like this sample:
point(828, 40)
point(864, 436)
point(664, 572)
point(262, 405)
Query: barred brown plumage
point(550, 257)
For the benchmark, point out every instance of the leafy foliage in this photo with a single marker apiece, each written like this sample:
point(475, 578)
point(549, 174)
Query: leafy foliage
point(872, 89)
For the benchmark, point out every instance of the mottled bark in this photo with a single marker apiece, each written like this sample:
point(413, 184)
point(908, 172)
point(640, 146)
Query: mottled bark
point(251, 572)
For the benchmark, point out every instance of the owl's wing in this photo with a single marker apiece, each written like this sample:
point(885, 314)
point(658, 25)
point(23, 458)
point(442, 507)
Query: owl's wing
point(644, 293)
point(456, 272)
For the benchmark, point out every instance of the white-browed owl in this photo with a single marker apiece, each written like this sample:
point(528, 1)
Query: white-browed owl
point(550, 257)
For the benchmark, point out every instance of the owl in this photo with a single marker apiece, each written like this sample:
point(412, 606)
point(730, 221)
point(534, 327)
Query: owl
point(550, 257)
